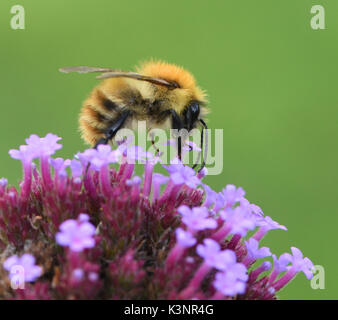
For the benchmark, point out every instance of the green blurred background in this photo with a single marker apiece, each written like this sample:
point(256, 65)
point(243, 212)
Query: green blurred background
point(271, 79)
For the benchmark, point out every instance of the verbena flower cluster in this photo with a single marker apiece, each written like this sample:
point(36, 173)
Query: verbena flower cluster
point(89, 228)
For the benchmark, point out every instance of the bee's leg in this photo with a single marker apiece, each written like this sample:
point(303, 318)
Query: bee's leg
point(101, 141)
point(205, 129)
point(112, 130)
point(177, 124)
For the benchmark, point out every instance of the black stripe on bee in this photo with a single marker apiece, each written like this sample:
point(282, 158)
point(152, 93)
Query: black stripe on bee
point(109, 105)
point(101, 117)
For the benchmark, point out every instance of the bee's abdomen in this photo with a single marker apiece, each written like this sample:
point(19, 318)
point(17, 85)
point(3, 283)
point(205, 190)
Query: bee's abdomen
point(97, 113)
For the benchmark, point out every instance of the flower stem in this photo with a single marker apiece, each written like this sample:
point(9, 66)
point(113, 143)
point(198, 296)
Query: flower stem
point(27, 179)
point(105, 180)
point(148, 177)
point(45, 171)
point(174, 255)
point(279, 284)
point(222, 233)
point(195, 281)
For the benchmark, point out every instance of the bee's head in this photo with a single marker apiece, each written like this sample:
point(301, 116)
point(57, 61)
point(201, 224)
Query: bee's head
point(187, 99)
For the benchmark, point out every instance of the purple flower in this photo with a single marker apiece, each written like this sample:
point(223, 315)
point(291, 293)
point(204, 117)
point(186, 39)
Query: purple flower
point(83, 217)
point(27, 262)
point(181, 174)
point(238, 220)
point(300, 264)
point(253, 252)
point(36, 147)
point(210, 196)
point(224, 260)
point(3, 182)
point(233, 279)
point(134, 181)
point(60, 165)
point(25, 154)
point(266, 224)
point(93, 276)
point(78, 274)
point(135, 154)
point(280, 265)
point(76, 234)
point(44, 146)
point(192, 250)
point(76, 167)
point(270, 224)
point(102, 156)
point(159, 178)
point(228, 284)
point(231, 195)
point(197, 218)
point(184, 238)
point(209, 251)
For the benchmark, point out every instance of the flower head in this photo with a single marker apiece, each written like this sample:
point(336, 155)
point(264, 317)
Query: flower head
point(99, 157)
point(209, 251)
point(231, 195)
point(184, 238)
point(254, 252)
point(197, 218)
point(238, 220)
point(229, 284)
point(191, 238)
point(77, 235)
point(76, 167)
point(300, 264)
point(36, 147)
point(280, 264)
point(60, 165)
point(3, 182)
point(27, 262)
point(181, 174)
point(45, 146)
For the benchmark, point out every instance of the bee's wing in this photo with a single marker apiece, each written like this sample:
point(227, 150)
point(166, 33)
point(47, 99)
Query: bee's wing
point(137, 76)
point(114, 73)
point(85, 69)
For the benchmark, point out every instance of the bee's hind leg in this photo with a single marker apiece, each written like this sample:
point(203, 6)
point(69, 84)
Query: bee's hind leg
point(114, 128)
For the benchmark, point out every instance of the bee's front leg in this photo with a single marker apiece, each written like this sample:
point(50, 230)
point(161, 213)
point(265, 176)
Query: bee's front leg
point(112, 130)
point(178, 125)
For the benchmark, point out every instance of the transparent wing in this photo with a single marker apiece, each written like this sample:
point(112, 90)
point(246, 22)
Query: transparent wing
point(85, 69)
point(115, 73)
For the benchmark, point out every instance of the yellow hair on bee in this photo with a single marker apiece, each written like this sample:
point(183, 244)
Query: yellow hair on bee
point(173, 73)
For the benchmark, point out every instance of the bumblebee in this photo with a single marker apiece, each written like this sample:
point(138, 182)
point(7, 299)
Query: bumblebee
point(164, 95)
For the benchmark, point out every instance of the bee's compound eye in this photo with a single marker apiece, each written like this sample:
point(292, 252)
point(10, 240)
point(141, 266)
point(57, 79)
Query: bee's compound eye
point(191, 114)
point(195, 109)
